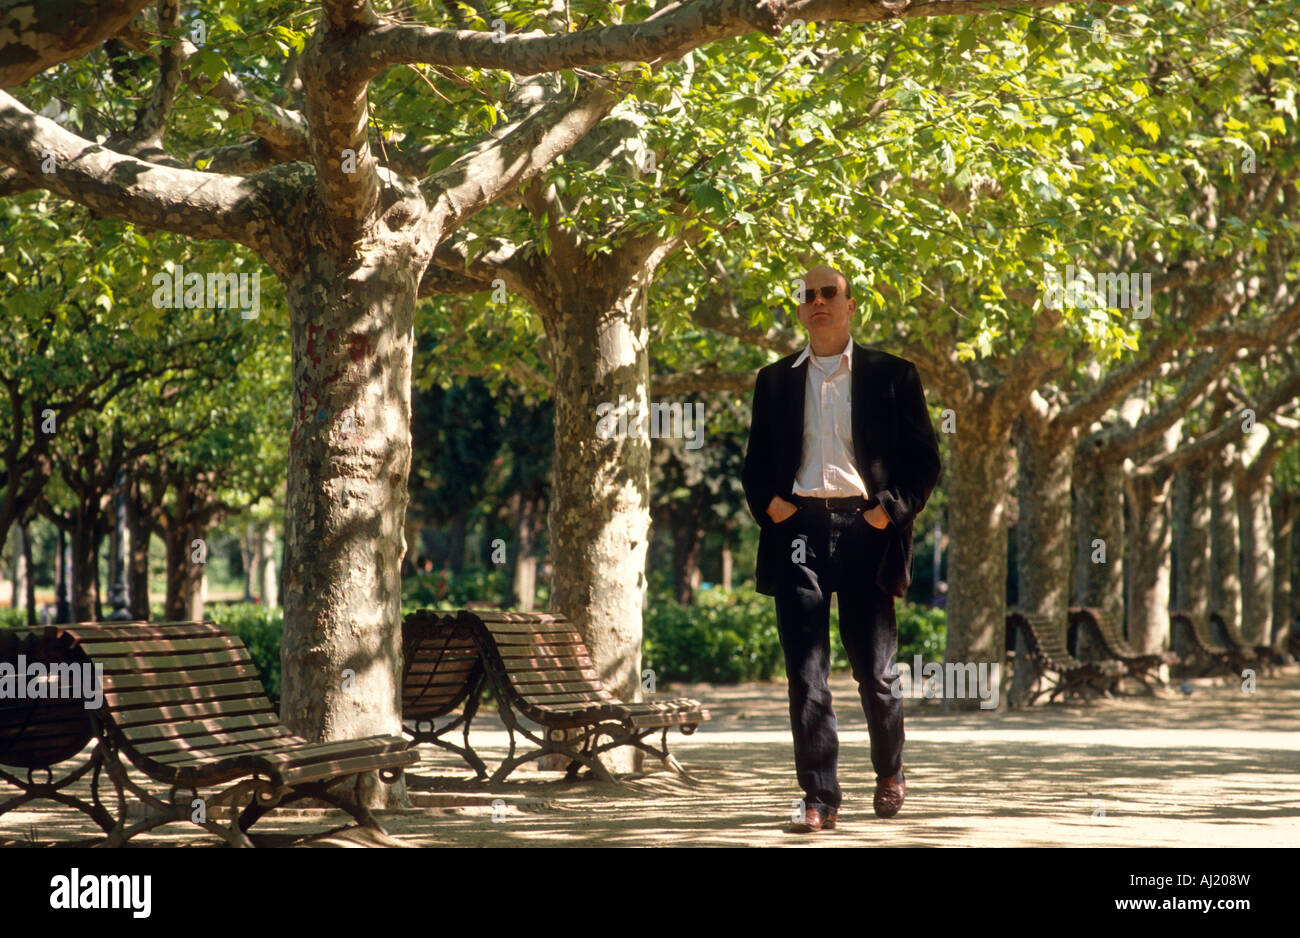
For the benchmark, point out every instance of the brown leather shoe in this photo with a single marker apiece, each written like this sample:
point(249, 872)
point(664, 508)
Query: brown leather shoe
point(889, 796)
point(814, 819)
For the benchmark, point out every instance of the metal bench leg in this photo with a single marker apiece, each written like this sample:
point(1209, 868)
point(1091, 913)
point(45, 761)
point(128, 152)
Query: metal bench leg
point(50, 790)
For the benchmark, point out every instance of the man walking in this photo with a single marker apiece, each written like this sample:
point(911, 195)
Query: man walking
point(841, 458)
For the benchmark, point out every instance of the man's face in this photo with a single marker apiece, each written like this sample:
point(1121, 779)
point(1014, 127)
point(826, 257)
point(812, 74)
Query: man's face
point(827, 318)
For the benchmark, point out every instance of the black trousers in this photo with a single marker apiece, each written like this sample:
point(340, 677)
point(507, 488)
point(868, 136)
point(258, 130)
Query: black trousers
point(840, 553)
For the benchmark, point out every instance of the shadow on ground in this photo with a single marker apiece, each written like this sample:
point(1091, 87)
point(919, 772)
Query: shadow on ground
point(1219, 767)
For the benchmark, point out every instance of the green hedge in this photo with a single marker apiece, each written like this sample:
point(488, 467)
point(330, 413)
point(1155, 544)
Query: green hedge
point(728, 637)
point(260, 629)
point(443, 589)
point(11, 618)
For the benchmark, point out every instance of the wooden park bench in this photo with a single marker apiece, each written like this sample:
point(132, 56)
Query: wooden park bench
point(1245, 653)
point(539, 669)
point(1201, 654)
point(1109, 637)
point(1049, 654)
point(182, 703)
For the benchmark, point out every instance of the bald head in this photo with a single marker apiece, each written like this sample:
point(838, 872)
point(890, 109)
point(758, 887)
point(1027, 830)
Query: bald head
point(824, 271)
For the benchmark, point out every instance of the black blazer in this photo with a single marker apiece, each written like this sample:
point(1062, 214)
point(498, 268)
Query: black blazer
point(894, 444)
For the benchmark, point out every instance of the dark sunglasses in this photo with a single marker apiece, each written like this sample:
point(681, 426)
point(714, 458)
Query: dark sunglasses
point(828, 293)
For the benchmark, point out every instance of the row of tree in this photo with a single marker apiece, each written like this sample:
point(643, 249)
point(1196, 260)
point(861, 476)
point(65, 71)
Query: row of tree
point(583, 221)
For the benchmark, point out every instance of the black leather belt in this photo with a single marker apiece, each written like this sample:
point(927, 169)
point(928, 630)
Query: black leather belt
point(850, 503)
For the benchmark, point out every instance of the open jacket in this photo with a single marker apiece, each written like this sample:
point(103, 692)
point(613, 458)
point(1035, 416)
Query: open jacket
point(894, 444)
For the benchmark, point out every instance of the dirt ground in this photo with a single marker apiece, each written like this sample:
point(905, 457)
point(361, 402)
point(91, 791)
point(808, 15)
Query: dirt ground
point(1218, 767)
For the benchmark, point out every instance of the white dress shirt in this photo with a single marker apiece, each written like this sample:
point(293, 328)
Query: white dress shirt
point(827, 468)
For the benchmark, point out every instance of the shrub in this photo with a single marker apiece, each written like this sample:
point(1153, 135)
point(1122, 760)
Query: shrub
point(261, 630)
point(443, 589)
point(729, 637)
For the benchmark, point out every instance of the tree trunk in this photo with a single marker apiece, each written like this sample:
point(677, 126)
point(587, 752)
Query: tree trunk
point(1256, 519)
point(85, 569)
point(456, 544)
point(184, 600)
point(599, 506)
point(137, 568)
point(1099, 517)
point(97, 542)
point(1192, 545)
point(977, 564)
point(413, 527)
point(686, 555)
point(18, 568)
point(726, 567)
point(1225, 563)
point(349, 461)
point(1043, 533)
point(266, 564)
point(527, 528)
point(1284, 513)
point(1150, 543)
point(248, 551)
point(30, 580)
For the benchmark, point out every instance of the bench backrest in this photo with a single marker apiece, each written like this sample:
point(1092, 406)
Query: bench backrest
point(1107, 629)
point(1046, 642)
point(1197, 630)
point(541, 659)
point(441, 665)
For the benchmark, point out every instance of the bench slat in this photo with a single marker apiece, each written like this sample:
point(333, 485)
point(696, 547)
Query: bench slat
point(143, 679)
point(124, 663)
point(226, 690)
point(154, 731)
point(200, 739)
point(145, 715)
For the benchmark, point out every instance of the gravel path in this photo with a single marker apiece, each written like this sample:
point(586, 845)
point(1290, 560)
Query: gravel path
point(1219, 767)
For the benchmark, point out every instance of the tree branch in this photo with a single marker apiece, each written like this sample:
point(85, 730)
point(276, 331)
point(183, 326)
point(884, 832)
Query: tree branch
point(201, 205)
point(36, 36)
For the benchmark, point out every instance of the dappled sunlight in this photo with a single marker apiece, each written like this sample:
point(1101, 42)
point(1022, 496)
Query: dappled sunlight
point(1218, 768)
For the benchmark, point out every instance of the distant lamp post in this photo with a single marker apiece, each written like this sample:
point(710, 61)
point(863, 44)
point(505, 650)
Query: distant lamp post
point(118, 595)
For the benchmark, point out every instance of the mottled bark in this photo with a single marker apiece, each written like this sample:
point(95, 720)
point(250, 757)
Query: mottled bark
point(36, 36)
point(600, 502)
point(1225, 562)
point(527, 529)
point(85, 570)
point(1148, 561)
point(140, 530)
point(270, 584)
point(1099, 517)
point(1284, 514)
point(978, 488)
point(671, 33)
point(352, 327)
point(1256, 525)
point(1192, 545)
point(185, 566)
point(1043, 532)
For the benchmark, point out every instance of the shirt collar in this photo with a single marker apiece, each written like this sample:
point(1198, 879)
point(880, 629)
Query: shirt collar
point(846, 356)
